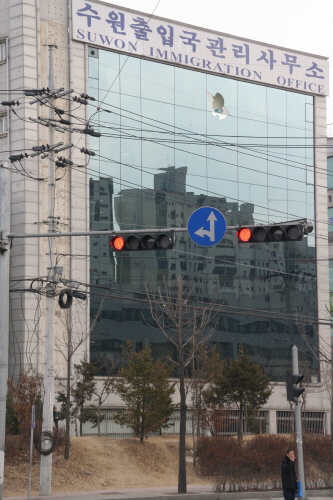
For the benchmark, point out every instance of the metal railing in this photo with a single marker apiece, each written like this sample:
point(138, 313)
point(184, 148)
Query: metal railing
point(228, 423)
point(313, 422)
point(110, 428)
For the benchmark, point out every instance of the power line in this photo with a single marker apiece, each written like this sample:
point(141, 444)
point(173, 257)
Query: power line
point(122, 163)
point(225, 146)
point(262, 314)
point(186, 185)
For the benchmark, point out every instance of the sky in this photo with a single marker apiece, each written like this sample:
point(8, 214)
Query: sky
point(295, 24)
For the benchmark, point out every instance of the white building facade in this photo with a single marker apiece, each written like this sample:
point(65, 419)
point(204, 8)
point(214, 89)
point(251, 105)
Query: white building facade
point(166, 147)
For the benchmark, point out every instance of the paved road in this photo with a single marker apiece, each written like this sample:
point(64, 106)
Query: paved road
point(170, 493)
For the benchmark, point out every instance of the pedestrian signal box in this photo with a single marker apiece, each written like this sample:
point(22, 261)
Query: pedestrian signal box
point(293, 392)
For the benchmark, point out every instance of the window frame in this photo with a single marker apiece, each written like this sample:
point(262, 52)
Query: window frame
point(3, 51)
point(3, 125)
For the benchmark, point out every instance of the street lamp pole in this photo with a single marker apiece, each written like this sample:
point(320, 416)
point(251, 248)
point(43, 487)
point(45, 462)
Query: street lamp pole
point(4, 306)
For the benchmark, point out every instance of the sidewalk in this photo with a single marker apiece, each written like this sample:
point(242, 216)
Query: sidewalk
point(195, 492)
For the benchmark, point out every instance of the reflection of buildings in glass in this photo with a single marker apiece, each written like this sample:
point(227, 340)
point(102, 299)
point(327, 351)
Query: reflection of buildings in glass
point(257, 286)
point(168, 205)
point(269, 279)
point(102, 274)
point(330, 215)
point(228, 268)
point(101, 218)
point(101, 258)
point(101, 212)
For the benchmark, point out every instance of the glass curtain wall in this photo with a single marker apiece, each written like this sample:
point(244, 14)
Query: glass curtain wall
point(163, 154)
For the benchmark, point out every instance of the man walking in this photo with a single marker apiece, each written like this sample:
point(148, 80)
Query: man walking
point(288, 474)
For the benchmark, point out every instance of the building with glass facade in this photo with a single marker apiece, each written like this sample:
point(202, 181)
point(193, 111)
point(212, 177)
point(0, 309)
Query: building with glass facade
point(165, 156)
point(165, 150)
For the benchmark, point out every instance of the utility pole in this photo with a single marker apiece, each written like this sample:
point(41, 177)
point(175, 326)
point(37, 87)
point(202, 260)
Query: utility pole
point(46, 460)
point(5, 190)
point(298, 425)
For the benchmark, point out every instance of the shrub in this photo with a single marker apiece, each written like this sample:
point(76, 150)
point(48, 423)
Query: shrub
point(23, 394)
point(255, 463)
point(18, 447)
point(318, 461)
point(12, 423)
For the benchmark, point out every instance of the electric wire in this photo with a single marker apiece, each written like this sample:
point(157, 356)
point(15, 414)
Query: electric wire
point(234, 310)
point(133, 48)
point(162, 85)
point(211, 193)
point(301, 275)
point(197, 154)
point(248, 168)
point(238, 145)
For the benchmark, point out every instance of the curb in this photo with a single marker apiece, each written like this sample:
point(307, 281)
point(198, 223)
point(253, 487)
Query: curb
point(194, 493)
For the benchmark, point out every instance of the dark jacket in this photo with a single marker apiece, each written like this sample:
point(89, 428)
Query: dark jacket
point(289, 478)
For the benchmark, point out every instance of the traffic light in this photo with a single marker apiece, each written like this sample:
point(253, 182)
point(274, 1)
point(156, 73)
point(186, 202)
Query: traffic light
point(144, 241)
point(292, 379)
point(271, 233)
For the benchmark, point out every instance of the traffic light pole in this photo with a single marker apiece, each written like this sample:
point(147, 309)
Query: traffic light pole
point(298, 425)
point(113, 232)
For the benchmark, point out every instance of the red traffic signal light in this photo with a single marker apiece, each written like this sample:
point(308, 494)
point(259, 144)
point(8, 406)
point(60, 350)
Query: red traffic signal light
point(244, 234)
point(271, 233)
point(138, 241)
point(117, 243)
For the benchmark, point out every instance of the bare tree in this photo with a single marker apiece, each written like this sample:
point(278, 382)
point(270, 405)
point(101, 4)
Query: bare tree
point(187, 325)
point(204, 366)
point(67, 343)
point(323, 354)
point(101, 395)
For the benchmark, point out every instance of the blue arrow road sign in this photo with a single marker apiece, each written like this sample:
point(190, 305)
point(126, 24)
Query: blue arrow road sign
point(206, 226)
